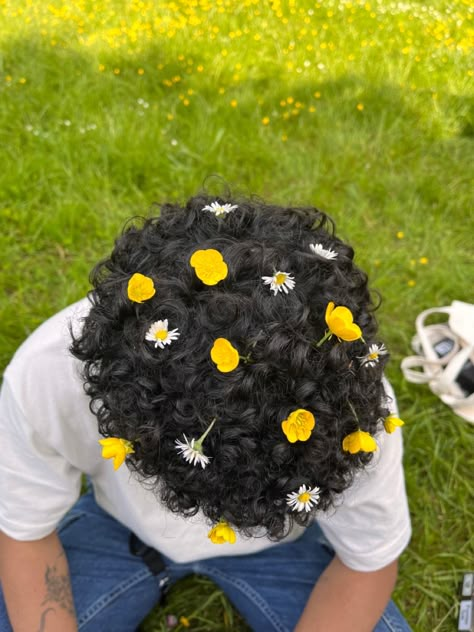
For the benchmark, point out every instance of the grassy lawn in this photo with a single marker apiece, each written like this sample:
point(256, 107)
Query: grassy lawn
point(364, 109)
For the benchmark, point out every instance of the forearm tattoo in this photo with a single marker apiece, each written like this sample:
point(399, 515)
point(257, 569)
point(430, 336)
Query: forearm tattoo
point(58, 592)
point(43, 619)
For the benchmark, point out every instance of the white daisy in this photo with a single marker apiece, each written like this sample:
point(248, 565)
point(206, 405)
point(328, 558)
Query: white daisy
point(220, 209)
point(159, 334)
point(326, 253)
point(371, 358)
point(192, 452)
point(303, 499)
point(280, 281)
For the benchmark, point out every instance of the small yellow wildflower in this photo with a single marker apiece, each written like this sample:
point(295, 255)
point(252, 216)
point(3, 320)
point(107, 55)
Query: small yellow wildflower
point(411, 283)
point(391, 423)
point(101, 67)
point(209, 266)
point(341, 324)
point(224, 355)
point(290, 100)
point(185, 622)
point(298, 425)
point(221, 533)
point(140, 288)
point(400, 234)
point(141, 71)
point(424, 260)
point(116, 71)
point(359, 441)
point(266, 120)
point(360, 107)
point(22, 80)
point(233, 103)
point(116, 449)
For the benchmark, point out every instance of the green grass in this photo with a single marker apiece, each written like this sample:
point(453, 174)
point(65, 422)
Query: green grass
point(370, 117)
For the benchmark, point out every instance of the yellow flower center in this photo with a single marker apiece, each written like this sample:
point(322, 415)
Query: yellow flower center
point(161, 334)
point(373, 356)
point(280, 278)
point(301, 419)
point(303, 498)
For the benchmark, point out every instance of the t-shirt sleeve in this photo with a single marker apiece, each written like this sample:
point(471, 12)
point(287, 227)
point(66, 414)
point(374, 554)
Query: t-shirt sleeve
point(37, 484)
point(371, 526)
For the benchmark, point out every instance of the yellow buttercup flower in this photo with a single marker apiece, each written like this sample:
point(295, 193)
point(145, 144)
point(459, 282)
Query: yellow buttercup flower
point(391, 423)
point(341, 324)
point(221, 533)
point(209, 266)
point(224, 355)
point(359, 441)
point(140, 288)
point(116, 449)
point(299, 425)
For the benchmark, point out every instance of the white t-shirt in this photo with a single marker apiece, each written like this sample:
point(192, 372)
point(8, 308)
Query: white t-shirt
point(49, 437)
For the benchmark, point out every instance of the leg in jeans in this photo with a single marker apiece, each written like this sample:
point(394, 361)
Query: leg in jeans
point(112, 588)
point(115, 590)
point(271, 588)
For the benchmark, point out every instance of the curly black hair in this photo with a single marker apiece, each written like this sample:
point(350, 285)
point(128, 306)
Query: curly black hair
point(154, 396)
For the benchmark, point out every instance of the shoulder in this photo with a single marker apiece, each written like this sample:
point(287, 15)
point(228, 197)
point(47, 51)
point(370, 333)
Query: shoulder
point(52, 336)
point(375, 507)
point(43, 374)
point(50, 341)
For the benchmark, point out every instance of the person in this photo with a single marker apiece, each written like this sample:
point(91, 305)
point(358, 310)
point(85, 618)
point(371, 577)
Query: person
point(222, 390)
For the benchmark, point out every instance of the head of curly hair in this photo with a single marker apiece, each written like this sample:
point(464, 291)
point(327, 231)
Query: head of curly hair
point(153, 396)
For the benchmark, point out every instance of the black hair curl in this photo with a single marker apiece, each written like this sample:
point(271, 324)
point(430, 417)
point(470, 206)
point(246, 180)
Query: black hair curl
point(154, 396)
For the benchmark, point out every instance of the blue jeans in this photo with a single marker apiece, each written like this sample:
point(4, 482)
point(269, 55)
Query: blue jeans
point(115, 590)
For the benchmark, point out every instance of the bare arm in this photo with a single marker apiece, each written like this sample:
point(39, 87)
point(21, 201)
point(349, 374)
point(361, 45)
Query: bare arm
point(344, 599)
point(36, 587)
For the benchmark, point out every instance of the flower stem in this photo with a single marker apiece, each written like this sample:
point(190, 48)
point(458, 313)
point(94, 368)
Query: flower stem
point(353, 411)
point(326, 336)
point(199, 442)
